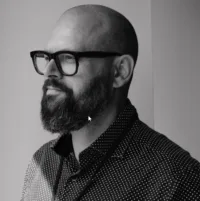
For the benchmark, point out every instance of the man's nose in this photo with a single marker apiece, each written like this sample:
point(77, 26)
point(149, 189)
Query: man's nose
point(51, 70)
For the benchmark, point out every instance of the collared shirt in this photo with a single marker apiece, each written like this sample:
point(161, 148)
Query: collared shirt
point(129, 161)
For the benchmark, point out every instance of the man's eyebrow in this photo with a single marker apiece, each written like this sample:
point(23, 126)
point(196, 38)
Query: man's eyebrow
point(49, 50)
point(56, 50)
point(46, 50)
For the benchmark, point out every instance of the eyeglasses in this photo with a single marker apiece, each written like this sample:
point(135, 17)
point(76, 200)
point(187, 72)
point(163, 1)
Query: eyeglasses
point(67, 62)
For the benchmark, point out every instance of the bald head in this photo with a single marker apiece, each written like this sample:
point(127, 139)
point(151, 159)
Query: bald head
point(97, 28)
point(99, 84)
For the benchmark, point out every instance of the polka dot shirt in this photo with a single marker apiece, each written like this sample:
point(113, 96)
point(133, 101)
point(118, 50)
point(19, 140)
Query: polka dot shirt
point(130, 161)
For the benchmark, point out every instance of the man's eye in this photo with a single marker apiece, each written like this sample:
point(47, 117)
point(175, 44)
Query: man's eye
point(46, 58)
point(66, 58)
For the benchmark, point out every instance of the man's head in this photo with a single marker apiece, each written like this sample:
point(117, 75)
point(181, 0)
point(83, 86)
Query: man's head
point(69, 100)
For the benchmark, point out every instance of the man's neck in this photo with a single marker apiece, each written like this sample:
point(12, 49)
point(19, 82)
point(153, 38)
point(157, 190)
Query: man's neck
point(84, 137)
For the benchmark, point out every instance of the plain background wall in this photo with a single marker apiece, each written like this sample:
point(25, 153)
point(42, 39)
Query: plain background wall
point(176, 69)
point(25, 26)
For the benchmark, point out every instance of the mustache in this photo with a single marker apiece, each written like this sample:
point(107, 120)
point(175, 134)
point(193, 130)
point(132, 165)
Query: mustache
point(54, 83)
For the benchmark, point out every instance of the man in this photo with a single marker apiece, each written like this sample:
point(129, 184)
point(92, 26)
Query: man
point(103, 152)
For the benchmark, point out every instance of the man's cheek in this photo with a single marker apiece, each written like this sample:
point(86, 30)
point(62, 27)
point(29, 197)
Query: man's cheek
point(79, 85)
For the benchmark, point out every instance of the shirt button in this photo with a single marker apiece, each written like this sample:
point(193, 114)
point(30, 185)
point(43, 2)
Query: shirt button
point(74, 179)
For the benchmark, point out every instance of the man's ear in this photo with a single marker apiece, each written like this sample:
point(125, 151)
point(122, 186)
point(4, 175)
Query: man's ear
point(124, 66)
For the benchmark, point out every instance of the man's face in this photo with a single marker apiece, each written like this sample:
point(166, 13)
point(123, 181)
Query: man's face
point(68, 100)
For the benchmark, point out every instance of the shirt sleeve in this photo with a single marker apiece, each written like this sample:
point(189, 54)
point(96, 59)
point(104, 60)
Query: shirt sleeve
point(189, 185)
point(31, 170)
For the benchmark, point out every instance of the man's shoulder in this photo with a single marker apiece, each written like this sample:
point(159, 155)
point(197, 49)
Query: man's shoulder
point(45, 149)
point(42, 158)
point(156, 157)
point(158, 148)
point(40, 167)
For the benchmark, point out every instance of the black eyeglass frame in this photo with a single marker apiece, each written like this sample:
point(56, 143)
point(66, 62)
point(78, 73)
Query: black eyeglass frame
point(77, 55)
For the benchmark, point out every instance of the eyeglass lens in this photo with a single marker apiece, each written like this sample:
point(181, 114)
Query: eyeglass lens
point(67, 62)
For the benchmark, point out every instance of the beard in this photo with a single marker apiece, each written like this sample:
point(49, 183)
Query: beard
point(71, 113)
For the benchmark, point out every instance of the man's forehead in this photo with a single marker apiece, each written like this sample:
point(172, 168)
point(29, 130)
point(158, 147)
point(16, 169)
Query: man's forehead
point(77, 32)
point(64, 39)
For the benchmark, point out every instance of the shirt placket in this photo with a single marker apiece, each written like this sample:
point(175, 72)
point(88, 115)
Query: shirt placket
point(78, 174)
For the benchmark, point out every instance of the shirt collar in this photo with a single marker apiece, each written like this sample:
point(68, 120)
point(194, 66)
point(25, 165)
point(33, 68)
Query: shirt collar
point(63, 144)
